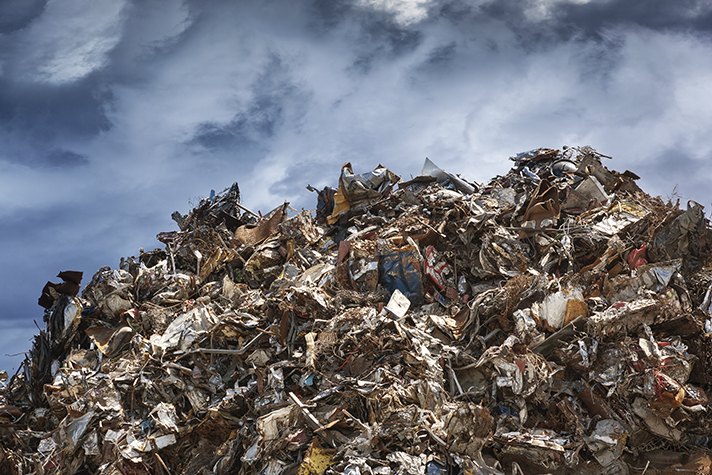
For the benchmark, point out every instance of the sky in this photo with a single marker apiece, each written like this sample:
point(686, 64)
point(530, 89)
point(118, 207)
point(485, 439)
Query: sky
point(115, 113)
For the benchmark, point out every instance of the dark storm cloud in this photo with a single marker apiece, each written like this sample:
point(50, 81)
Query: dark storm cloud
point(441, 55)
point(259, 120)
point(236, 134)
point(593, 17)
point(384, 40)
point(512, 12)
point(66, 159)
point(456, 11)
point(544, 22)
point(46, 111)
point(390, 38)
point(36, 120)
point(328, 14)
point(17, 14)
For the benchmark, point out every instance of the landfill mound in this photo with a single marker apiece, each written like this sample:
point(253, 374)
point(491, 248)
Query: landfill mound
point(555, 320)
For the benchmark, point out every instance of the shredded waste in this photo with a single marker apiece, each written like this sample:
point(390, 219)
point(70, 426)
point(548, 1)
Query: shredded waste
point(555, 320)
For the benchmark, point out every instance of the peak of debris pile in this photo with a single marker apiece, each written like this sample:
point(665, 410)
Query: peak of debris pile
point(554, 320)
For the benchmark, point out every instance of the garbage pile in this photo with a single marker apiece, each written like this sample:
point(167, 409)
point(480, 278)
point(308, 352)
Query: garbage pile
point(555, 320)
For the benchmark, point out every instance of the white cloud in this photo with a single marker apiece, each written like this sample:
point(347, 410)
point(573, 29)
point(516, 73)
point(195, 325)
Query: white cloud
point(405, 12)
point(538, 10)
point(69, 40)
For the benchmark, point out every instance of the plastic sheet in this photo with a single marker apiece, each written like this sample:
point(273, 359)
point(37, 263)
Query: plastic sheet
point(400, 270)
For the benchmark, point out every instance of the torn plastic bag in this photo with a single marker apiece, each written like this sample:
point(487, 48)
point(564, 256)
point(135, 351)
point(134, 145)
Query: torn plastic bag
point(360, 190)
point(401, 270)
point(437, 269)
point(446, 179)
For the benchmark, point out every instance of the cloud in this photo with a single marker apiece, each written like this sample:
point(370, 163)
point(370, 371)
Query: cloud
point(36, 120)
point(67, 41)
point(678, 174)
point(259, 120)
point(404, 12)
point(660, 15)
point(66, 159)
point(17, 14)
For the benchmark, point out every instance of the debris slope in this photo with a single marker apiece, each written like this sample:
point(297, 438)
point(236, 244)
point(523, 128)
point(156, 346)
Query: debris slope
point(554, 320)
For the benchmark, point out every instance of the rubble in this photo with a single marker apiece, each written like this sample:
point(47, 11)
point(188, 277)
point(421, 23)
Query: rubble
point(554, 320)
